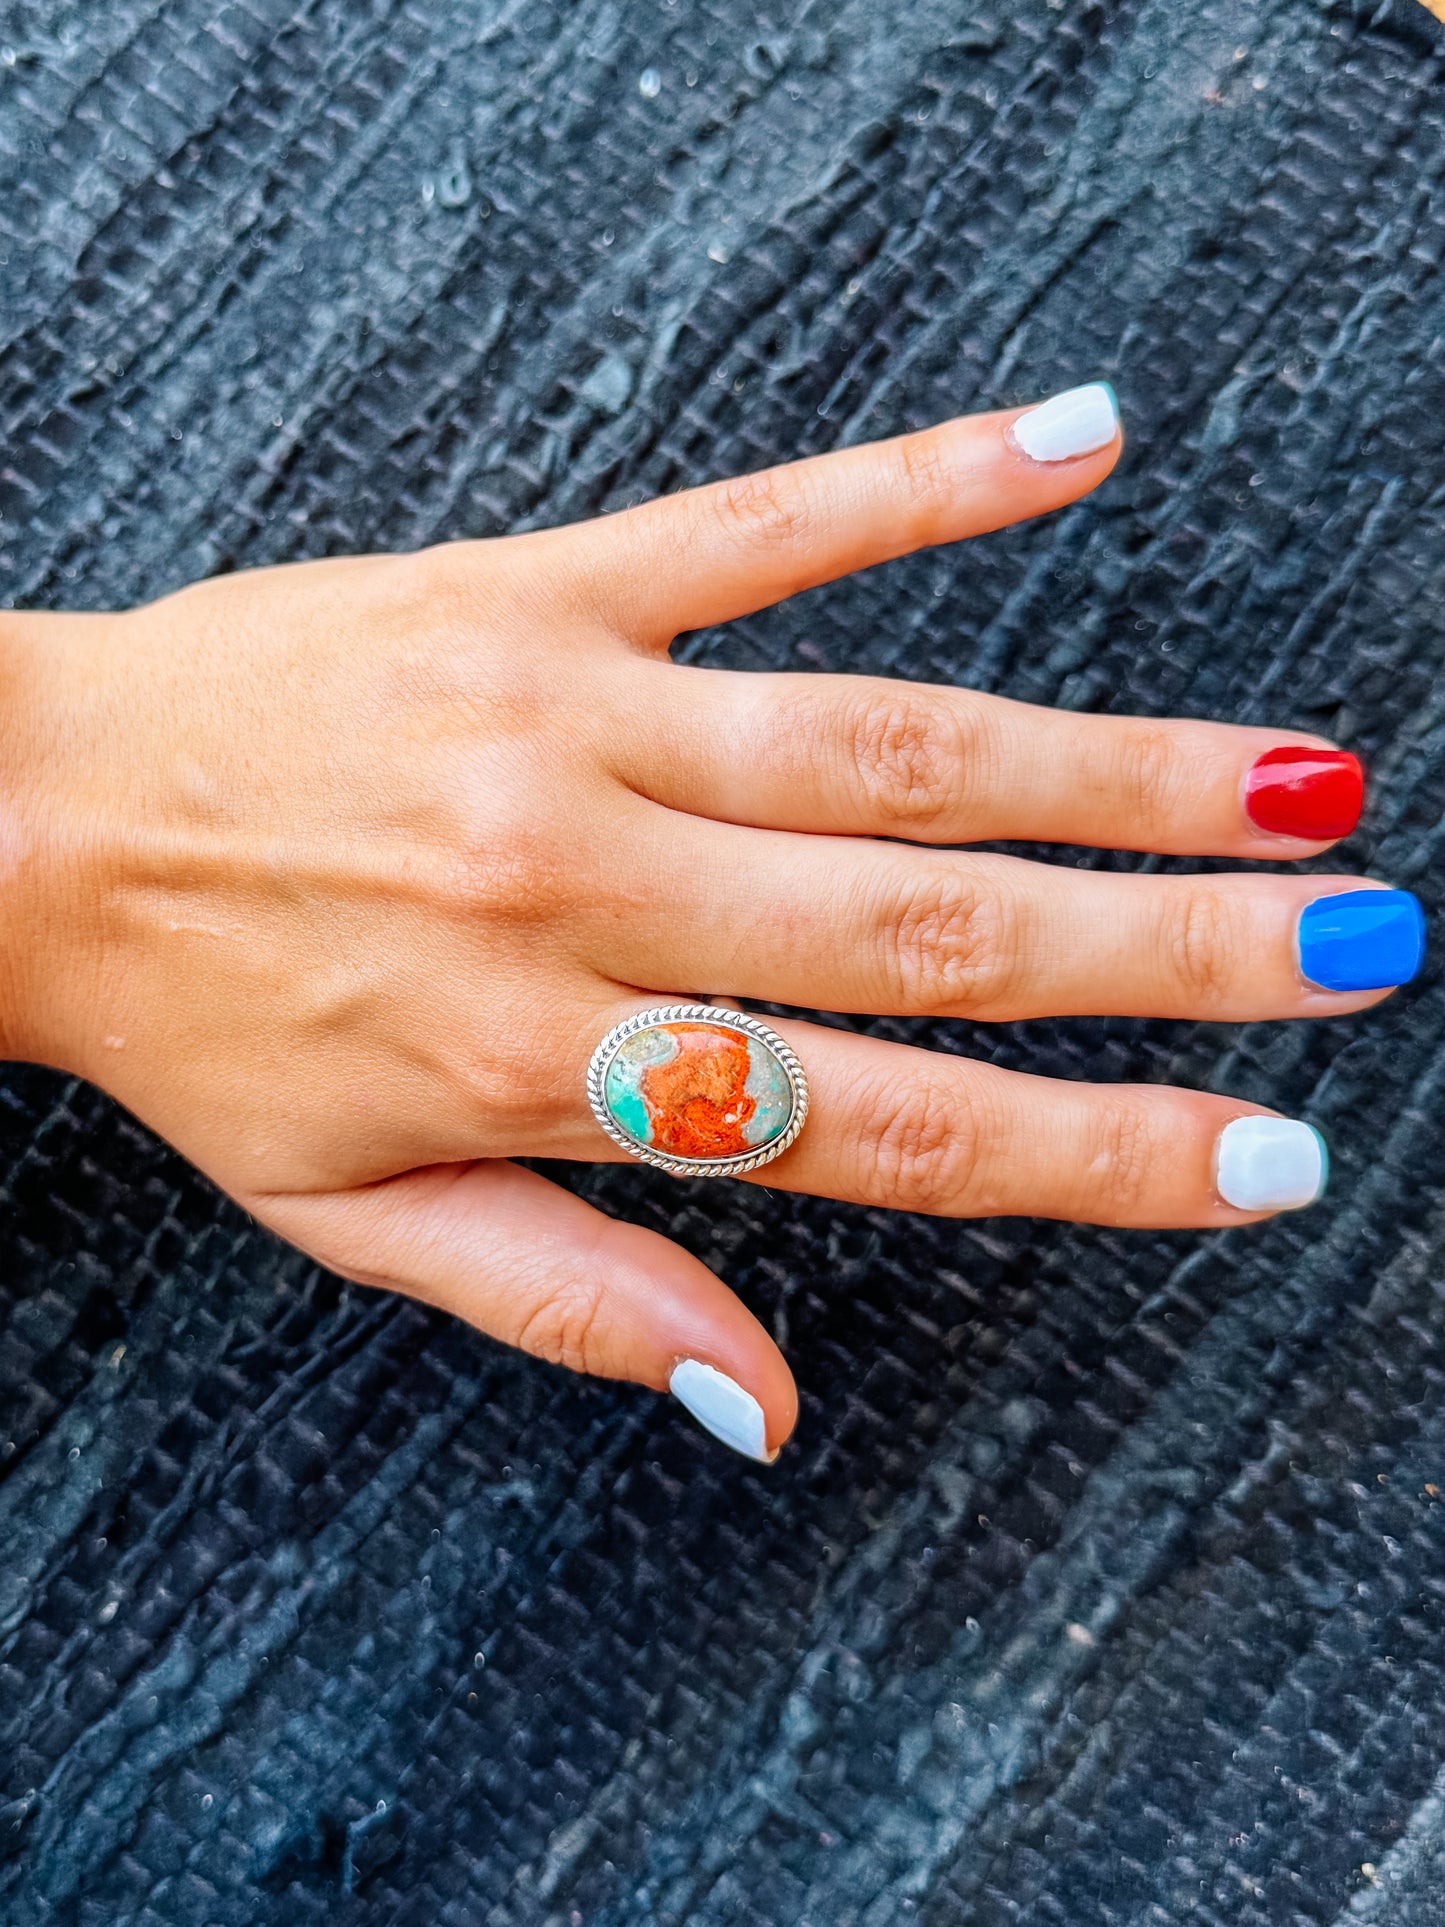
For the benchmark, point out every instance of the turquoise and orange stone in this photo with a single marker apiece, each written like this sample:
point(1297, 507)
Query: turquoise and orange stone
point(698, 1090)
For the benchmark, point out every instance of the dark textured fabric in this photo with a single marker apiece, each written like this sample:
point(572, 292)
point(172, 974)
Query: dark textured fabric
point(1103, 1583)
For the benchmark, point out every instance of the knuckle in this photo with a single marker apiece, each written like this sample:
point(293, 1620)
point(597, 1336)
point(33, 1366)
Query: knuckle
point(441, 586)
point(504, 585)
point(1149, 778)
point(522, 886)
point(1200, 944)
point(500, 866)
point(949, 947)
point(908, 753)
point(438, 566)
point(925, 475)
point(923, 1147)
point(1123, 1167)
point(768, 507)
point(505, 1093)
point(564, 1325)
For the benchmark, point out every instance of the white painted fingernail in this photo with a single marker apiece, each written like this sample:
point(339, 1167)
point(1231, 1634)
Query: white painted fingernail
point(720, 1403)
point(1270, 1164)
point(1077, 422)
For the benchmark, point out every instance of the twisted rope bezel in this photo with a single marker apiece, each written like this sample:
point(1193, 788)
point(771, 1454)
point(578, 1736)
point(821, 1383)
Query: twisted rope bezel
point(737, 1020)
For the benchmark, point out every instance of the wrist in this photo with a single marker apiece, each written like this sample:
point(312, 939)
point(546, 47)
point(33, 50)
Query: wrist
point(40, 856)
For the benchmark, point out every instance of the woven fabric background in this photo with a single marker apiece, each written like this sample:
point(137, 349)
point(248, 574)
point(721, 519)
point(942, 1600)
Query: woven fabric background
point(1105, 1581)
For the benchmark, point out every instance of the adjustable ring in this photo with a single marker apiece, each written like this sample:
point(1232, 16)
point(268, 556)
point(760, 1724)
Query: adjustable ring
point(697, 1091)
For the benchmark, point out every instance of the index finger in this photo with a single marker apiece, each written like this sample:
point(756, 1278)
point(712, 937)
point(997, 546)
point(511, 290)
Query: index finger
point(711, 554)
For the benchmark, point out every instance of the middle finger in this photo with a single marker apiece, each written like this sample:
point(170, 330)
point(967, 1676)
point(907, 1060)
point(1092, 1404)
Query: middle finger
point(842, 923)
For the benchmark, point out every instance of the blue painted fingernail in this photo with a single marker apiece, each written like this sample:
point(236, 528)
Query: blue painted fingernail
point(1362, 940)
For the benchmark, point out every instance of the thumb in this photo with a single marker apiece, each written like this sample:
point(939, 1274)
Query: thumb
point(525, 1261)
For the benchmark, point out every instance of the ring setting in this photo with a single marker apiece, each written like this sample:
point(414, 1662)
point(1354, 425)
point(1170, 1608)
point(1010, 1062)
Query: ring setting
point(698, 1091)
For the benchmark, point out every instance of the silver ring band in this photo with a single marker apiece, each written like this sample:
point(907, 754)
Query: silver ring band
point(698, 1091)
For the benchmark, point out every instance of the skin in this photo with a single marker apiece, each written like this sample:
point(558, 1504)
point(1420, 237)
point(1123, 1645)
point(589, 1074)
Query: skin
point(336, 874)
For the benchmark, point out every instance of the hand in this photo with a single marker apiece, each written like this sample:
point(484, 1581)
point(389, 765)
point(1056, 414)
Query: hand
point(336, 874)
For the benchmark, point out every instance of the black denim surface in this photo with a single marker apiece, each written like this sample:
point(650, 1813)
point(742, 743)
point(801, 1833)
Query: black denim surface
point(1103, 1583)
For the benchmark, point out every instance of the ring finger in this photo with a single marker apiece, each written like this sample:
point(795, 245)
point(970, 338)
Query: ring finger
point(915, 1130)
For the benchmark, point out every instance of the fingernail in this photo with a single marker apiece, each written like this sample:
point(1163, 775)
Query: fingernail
point(721, 1405)
point(1315, 794)
point(1362, 940)
point(1077, 422)
point(1270, 1164)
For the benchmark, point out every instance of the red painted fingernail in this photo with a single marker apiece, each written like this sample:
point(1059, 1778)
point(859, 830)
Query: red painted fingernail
point(1314, 794)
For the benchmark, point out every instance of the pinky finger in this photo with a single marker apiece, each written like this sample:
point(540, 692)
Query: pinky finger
point(536, 1267)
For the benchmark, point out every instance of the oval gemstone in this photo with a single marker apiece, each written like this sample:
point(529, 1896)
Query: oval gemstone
point(698, 1090)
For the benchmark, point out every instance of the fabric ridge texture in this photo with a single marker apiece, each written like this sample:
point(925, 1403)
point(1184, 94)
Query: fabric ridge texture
point(1103, 1583)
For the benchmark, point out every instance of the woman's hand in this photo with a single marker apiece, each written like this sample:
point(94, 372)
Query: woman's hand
point(337, 874)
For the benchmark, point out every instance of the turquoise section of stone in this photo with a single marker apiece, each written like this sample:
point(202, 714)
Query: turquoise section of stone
point(771, 1091)
point(627, 1107)
point(622, 1086)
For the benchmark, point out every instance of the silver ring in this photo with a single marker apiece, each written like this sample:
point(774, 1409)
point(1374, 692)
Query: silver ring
point(698, 1091)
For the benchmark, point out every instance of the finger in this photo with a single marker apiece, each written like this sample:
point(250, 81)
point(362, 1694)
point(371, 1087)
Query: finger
point(850, 924)
point(527, 1262)
point(864, 756)
point(713, 553)
point(916, 1130)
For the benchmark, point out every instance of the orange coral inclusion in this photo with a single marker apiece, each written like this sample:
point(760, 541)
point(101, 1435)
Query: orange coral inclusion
point(697, 1103)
